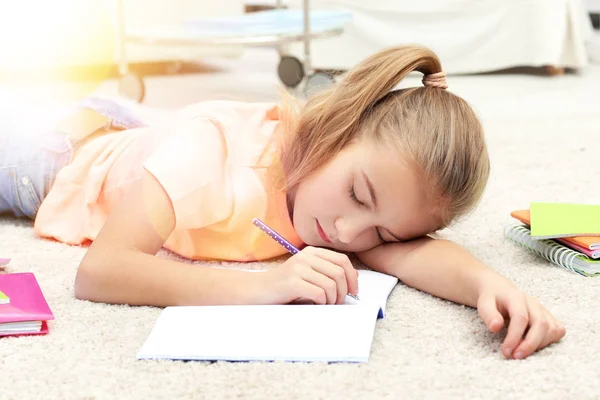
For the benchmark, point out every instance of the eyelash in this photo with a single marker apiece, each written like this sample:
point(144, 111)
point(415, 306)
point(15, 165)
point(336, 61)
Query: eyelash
point(352, 194)
point(353, 197)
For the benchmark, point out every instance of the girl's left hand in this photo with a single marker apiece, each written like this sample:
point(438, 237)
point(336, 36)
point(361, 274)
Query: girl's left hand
point(531, 326)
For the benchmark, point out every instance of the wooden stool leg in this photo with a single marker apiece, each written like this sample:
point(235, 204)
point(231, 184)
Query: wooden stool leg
point(554, 71)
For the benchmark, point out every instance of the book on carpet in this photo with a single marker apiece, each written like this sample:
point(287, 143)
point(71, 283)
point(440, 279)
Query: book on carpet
point(561, 220)
point(26, 312)
point(4, 299)
point(588, 245)
point(326, 333)
point(553, 251)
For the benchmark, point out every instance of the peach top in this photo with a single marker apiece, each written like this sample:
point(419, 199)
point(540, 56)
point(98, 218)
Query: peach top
point(208, 160)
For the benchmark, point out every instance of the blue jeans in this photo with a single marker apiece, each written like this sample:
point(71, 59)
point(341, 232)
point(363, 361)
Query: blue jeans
point(32, 152)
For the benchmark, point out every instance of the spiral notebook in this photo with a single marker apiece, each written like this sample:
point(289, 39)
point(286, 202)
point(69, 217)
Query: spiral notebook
point(552, 251)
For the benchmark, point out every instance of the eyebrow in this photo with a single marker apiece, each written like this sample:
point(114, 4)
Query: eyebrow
point(374, 201)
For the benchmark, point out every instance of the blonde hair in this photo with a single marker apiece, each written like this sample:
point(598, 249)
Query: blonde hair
point(434, 128)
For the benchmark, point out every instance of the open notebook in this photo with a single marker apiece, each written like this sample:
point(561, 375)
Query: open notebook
point(327, 333)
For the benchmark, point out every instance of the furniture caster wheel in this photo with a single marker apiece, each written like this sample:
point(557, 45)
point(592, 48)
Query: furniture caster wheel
point(290, 71)
point(174, 67)
point(317, 82)
point(554, 71)
point(132, 86)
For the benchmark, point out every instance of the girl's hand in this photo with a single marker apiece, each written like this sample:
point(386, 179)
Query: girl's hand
point(314, 274)
point(531, 326)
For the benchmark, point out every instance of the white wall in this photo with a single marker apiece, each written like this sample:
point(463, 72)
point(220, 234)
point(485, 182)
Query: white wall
point(58, 33)
point(593, 5)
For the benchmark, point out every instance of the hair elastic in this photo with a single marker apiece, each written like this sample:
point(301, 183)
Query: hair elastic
point(437, 80)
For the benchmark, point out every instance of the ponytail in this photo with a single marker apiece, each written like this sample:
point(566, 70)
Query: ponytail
point(330, 120)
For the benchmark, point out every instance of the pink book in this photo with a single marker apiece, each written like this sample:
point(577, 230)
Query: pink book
point(23, 308)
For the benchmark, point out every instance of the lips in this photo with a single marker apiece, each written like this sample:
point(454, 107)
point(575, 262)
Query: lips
point(322, 233)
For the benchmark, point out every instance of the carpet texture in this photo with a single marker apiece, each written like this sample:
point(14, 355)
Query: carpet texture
point(542, 135)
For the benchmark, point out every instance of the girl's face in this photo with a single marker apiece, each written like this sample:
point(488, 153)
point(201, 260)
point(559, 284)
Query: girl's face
point(364, 196)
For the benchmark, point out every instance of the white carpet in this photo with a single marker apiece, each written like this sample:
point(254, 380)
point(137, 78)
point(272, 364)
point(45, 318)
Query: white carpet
point(543, 135)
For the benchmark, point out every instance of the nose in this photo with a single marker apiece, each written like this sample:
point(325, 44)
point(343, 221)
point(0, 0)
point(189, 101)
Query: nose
point(349, 229)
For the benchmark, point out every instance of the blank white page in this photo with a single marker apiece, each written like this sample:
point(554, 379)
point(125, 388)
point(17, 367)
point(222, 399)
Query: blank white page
point(327, 333)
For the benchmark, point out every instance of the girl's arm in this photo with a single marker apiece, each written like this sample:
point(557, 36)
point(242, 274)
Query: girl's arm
point(446, 270)
point(121, 267)
point(438, 267)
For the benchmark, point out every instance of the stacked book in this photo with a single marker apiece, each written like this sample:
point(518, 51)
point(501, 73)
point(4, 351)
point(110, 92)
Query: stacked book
point(567, 235)
point(23, 307)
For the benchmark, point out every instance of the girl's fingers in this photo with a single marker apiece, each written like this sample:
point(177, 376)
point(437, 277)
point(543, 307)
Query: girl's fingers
point(317, 275)
point(341, 260)
point(556, 331)
point(536, 334)
point(519, 321)
point(309, 293)
point(488, 311)
point(336, 275)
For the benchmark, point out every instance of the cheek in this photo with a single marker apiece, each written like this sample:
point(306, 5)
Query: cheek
point(363, 243)
point(323, 195)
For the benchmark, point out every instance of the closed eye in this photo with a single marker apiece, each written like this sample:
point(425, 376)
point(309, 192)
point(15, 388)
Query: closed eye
point(352, 194)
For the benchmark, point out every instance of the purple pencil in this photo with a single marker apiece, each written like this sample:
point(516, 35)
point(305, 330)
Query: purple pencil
point(275, 236)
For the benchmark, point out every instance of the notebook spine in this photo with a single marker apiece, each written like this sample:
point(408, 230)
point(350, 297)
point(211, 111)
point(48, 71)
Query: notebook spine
point(549, 249)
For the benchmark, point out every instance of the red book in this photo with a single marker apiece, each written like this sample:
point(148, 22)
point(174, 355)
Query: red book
point(24, 310)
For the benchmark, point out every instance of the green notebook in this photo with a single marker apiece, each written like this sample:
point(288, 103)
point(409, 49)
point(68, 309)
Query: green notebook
point(4, 298)
point(558, 220)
